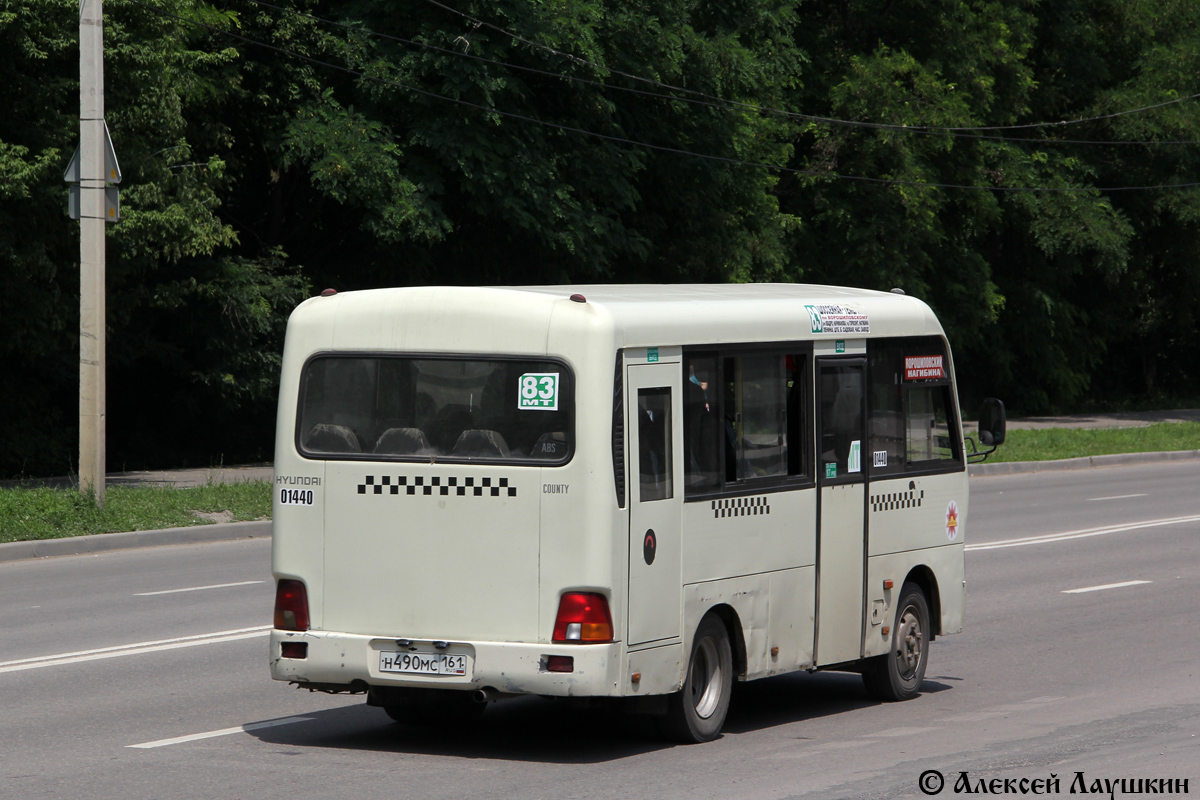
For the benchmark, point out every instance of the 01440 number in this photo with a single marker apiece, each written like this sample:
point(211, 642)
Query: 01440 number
point(296, 497)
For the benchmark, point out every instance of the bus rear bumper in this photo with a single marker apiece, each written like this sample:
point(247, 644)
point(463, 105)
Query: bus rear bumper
point(351, 660)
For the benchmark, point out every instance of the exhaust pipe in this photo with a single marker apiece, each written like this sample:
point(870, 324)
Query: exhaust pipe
point(489, 694)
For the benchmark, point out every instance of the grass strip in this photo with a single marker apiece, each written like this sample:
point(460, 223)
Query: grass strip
point(28, 514)
point(45, 513)
point(1048, 444)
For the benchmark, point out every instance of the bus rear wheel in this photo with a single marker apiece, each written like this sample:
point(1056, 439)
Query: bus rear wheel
point(898, 674)
point(697, 712)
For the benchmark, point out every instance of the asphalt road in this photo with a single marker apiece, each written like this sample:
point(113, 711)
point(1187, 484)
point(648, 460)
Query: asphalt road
point(1043, 681)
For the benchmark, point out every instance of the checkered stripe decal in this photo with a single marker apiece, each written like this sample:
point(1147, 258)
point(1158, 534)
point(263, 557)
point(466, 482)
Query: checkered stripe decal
point(435, 485)
point(740, 507)
point(896, 501)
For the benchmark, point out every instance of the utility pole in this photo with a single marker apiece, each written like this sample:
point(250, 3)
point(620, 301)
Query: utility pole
point(93, 145)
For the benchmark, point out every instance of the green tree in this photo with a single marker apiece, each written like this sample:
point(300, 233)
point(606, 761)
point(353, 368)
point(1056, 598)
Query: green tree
point(1033, 287)
point(167, 357)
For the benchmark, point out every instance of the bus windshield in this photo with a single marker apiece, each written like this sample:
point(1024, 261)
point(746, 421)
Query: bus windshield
point(448, 409)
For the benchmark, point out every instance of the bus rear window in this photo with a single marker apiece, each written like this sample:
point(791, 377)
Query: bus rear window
point(389, 407)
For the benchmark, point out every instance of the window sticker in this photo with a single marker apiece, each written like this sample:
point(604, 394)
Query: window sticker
point(538, 392)
point(854, 459)
point(880, 458)
point(922, 368)
point(831, 469)
point(837, 319)
point(651, 355)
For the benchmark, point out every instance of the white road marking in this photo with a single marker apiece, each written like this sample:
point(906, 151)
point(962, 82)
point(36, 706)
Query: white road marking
point(253, 726)
point(196, 588)
point(1105, 586)
point(1081, 534)
point(1117, 497)
point(133, 649)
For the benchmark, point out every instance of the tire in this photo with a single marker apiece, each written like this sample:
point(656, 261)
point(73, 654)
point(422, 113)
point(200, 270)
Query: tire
point(697, 712)
point(437, 709)
point(898, 675)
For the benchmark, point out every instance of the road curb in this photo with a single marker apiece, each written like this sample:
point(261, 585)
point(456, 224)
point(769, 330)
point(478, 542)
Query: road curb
point(1086, 462)
point(105, 542)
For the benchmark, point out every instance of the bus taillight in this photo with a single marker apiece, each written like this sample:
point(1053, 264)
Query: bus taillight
point(583, 617)
point(291, 606)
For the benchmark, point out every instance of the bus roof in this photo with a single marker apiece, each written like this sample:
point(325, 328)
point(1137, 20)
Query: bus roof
point(519, 318)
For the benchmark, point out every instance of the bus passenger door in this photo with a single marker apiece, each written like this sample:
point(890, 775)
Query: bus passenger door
point(656, 491)
point(841, 512)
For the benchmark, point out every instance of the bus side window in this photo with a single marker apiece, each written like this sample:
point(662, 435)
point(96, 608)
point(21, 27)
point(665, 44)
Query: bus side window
point(701, 425)
point(731, 424)
point(912, 409)
point(886, 406)
point(764, 416)
point(797, 413)
point(756, 419)
point(744, 419)
point(654, 444)
point(928, 425)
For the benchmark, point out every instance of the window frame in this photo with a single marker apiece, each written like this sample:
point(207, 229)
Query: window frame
point(806, 478)
point(841, 362)
point(567, 391)
point(646, 445)
point(946, 384)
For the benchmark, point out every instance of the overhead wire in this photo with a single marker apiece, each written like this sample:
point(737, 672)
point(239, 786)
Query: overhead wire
point(712, 101)
point(622, 140)
point(830, 120)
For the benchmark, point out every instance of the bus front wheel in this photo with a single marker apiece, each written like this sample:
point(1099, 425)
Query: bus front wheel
point(697, 712)
point(898, 674)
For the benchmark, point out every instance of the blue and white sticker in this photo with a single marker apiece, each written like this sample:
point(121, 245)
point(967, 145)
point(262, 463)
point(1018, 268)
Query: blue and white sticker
point(835, 318)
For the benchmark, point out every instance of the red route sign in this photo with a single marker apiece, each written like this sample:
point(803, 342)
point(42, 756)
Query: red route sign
point(918, 368)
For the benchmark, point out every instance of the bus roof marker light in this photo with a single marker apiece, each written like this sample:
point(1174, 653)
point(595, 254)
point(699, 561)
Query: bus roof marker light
point(328, 292)
point(578, 298)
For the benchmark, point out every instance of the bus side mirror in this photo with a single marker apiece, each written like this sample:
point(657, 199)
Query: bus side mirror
point(991, 422)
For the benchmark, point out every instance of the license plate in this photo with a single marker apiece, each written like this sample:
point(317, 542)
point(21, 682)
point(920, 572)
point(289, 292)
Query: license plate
point(423, 663)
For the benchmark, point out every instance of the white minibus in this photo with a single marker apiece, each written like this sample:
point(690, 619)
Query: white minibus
point(635, 492)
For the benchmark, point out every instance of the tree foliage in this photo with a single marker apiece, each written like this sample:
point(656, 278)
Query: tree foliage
point(272, 147)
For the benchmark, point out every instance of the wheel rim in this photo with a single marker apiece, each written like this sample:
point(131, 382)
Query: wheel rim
point(706, 678)
point(910, 644)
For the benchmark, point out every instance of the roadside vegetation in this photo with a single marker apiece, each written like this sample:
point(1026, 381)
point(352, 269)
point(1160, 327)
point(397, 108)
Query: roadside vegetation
point(1054, 443)
point(273, 149)
point(47, 513)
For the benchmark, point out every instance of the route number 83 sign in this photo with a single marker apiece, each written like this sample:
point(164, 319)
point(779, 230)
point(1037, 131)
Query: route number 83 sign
point(539, 392)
